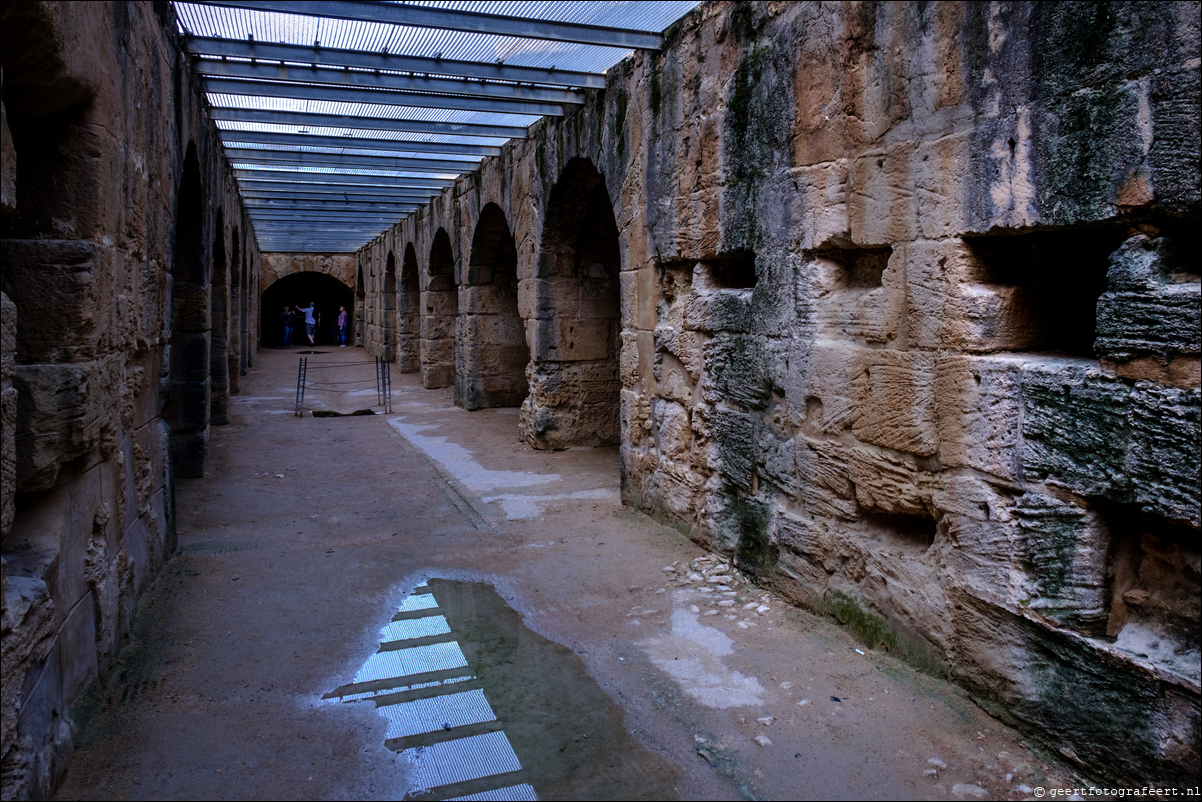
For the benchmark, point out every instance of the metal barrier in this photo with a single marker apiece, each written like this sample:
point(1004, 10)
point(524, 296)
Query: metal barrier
point(303, 383)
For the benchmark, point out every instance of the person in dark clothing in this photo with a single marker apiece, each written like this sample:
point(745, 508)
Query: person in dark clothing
point(289, 321)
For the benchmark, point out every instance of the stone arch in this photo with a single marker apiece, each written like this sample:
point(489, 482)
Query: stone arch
point(219, 328)
point(245, 269)
point(409, 309)
point(440, 315)
point(576, 334)
point(493, 348)
point(388, 325)
point(187, 410)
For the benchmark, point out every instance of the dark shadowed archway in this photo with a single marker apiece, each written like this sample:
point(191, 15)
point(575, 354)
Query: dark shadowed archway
point(408, 310)
point(236, 312)
point(219, 329)
point(297, 290)
point(493, 346)
point(577, 330)
point(187, 409)
point(388, 310)
point(440, 315)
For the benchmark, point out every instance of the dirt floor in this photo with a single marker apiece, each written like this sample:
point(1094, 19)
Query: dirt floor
point(308, 533)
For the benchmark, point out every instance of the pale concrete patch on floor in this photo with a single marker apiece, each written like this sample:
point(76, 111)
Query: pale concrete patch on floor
point(458, 460)
point(692, 655)
point(518, 506)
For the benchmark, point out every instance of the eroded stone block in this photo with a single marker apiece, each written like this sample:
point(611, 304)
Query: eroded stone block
point(895, 401)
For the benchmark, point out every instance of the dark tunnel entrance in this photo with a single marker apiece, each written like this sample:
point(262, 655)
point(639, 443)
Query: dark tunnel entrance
point(296, 291)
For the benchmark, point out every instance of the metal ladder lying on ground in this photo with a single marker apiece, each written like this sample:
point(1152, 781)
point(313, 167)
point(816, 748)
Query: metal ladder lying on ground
point(383, 383)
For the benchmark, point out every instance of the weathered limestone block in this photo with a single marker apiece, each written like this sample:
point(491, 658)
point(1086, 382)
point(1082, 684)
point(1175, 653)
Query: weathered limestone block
point(736, 370)
point(26, 635)
point(979, 413)
point(55, 68)
point(1074, 427)
point(686, 346)
point(676, 490)
point(720, 310)
point(1062, 550)
point(64, 413)
point(776, 460)
point(861, 293)
point(951, 304)
point(1166, 452)
point(628, 361)
point(820, 206)
point(887, 482)
point(825, 483)
point(732, 445)
point(881, 206)
point(895, 401)
point(565, 339)
point(1076, 692)
point(1145, 311)
point(827, 402)
point(58, 289)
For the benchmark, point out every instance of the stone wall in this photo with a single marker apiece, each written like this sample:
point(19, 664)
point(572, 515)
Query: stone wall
point(275, 266)
point(898, 304)
point(129, 271)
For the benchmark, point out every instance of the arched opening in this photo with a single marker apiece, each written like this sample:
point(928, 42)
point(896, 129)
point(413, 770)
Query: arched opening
point(219, 328)
point(235, 346)
point(360, 304)
point(297, 290)
point(187, 410)
point(493, 347)
point(244, 272)
point(388, 310)
point(575, 384)
point(408, 308)
point(440, 315)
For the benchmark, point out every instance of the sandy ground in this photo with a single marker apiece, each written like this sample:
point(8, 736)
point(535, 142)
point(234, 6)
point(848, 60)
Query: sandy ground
point(308, 532)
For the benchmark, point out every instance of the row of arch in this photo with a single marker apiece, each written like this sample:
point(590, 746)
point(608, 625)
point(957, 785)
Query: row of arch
point(544, 335)
point(210, 326)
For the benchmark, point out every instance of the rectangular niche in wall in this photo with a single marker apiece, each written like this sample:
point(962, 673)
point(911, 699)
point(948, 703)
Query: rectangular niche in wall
point(860, 268)
point(729, 271)
point(1053, 280)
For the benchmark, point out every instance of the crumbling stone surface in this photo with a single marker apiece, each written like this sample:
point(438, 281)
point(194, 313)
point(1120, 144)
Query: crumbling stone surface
point(122, 294)
point(905, 322)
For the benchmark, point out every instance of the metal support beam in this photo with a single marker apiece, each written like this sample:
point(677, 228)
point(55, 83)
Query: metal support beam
point(386, 80)
point(379, 97)
point(335, 57)
point(358, 195)
point(281, 199)
point(446, 19)
point(306, 120)
point(298, 204)
point(311, 159)
point(359, 143)
point(337, 179)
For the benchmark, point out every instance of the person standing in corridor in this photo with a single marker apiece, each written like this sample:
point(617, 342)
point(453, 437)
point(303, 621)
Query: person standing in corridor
point(311, 321)
point(342, 326)
point(289, 320)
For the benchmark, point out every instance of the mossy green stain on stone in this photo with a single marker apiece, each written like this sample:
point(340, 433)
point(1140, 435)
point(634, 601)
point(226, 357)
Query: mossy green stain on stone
point(870, 629)
point(754, 553)
point(656, 95)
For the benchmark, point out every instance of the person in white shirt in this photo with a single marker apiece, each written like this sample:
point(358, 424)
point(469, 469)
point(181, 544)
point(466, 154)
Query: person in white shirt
point(310, 321)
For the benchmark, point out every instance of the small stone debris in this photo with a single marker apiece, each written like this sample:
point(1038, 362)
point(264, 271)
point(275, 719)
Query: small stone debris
point(710, 612)
point(696, 577)
point(786, 685)
point(749, 606)
point(766, 720)
point(726, 603)
point(743, 624)
point(837, 699)
point(803, 702)
point(694, 608)
point(763, 740)
point(661, 590)
point(931, 773)
point(279, 476)
point(936, 762)
point(763, 608)
point(1024, 789)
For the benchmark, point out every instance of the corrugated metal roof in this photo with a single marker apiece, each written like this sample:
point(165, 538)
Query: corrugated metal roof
point(228, 22)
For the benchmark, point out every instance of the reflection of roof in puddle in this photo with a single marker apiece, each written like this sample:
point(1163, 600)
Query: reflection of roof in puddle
point(461, 757)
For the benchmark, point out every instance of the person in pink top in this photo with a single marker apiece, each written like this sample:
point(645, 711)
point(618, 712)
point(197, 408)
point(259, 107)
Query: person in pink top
point(342, 326)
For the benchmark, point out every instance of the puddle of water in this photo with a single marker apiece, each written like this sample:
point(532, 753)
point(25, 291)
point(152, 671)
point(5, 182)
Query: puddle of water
point(458, 460)
point(484, 708)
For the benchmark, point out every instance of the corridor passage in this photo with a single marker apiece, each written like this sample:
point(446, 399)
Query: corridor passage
point(596, 653)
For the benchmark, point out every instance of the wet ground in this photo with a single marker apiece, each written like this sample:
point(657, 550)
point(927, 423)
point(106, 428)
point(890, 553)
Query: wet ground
point(416, 603)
